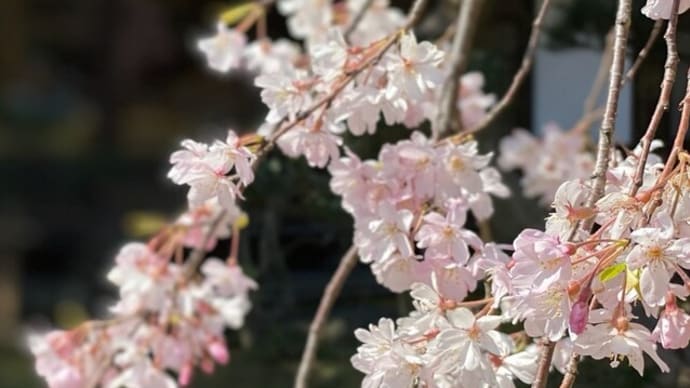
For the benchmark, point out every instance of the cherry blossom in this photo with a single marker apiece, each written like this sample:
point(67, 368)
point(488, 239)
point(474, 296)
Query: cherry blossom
point(224, 50)
point(673, 328)
point(659, 257)
point(618, 338)
point(416, 69)
point(546, 163)
point(661, 9)
point(206, 169)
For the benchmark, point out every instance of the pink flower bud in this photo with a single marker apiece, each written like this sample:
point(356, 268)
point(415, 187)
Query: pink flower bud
point(578, 317)
point(185, 374)
point(219, 352)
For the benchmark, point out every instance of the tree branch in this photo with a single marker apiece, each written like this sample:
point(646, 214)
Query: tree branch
point(459, 55)
point(330, 294)
point(681, 133)
point(544, 364)
point(570, 372)
point(608, 123)
point(519, 76)
point(664, 97)
point(642, 55)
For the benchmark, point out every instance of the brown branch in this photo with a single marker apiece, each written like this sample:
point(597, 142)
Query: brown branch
point(330, 294)
point(680, 135)
point(642, 55)
point(589, 117)
point(608, 123)
point(466, 24)
point(664, 97)
point(570, 372)
point(544, 364)
point(519, 76)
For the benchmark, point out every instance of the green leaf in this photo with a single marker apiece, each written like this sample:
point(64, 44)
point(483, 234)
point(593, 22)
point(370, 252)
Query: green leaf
point(632, 281)
point(235, 13)
point(611, 272)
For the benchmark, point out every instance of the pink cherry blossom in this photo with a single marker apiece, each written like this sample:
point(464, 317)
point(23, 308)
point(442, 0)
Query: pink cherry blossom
point(315, 140)
point(658, 255)
point(673, 328)
point(416, 68)
point(618, 339)
point(539, 258)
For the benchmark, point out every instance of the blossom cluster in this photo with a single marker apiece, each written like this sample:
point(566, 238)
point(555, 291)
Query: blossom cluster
point(546, 162)
point(168, 318)
point(310, 20)
point(345, 81)
point(580, 295)
point(161, 324)
point(410, 207)
point(585, 291)
point(443, 344)
point(215, 171)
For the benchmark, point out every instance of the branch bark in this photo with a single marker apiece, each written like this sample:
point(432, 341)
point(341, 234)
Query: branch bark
point(330, 294)
point(466, 25)
point(545, 358)
point(520, 75)
point(642, 55)
point(664, 97)
point(608, 123)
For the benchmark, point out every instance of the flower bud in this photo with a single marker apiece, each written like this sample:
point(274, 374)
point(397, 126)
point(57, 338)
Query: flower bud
point(185, 375)
point(578, 317)
point(219, 352)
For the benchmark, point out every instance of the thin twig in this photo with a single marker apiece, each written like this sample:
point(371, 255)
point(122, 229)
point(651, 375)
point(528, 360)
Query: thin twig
point(681, 133)
point(664, 97)
point(571, 372)
point(330, 294)
point(642, 55)
point(357, 19)
point(519, 76)
point(608, 123)
point(595, 114)
point(466, 25)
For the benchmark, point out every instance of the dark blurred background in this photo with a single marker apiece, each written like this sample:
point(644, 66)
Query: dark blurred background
point(94, 96)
